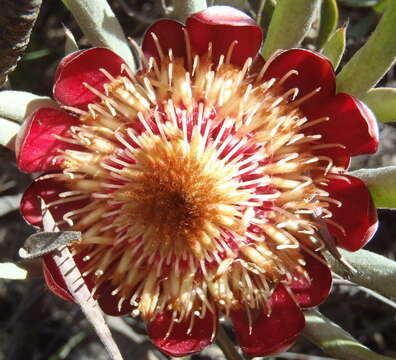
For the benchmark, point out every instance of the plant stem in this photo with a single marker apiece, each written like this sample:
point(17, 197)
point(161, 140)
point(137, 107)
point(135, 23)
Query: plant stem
point(225, 344)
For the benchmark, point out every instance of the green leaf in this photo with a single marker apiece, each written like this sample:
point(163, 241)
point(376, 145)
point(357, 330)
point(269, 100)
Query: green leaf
point(334, 340)
point(328, 21)
point(382, 185)
point(99, 24)
point(290, 24)
point(382, 102)
point(335, 47)
point(374, 271)
point(374, 59)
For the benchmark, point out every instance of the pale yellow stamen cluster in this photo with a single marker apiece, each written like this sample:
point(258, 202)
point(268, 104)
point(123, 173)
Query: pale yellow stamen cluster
point(202, 188)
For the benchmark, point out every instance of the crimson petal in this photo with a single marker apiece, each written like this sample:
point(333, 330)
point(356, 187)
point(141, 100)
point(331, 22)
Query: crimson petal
point(170, 36)
point(221, 26)
point(84, 67)
point(271, 333)
point(110, 304)
point(357, 215)
point(36, 144)
point(47, 189)
point(340, 156)
point(179, 342)
point(311, 292)
point(314, 71)
point(351, 124)
point(54, 279)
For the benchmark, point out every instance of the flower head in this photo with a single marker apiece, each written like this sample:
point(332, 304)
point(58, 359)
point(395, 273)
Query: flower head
point(208, 182)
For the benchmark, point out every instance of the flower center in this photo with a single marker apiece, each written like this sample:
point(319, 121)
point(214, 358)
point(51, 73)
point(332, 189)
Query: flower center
point(175, 197)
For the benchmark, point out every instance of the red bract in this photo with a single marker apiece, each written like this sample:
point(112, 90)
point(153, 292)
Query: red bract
point(203, 184)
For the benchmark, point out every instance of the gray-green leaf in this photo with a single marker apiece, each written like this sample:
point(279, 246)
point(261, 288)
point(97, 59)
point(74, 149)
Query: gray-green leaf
point(335, 47)
point(290, 24)
point(328, 21)
point(374, 59)
point(8, 131)
point(184, 8)
point(16, 105)
point(382, 102)
point(374, 271)
point(100, 25)
point(334, 340)
point(70, 41)
point(382, 185)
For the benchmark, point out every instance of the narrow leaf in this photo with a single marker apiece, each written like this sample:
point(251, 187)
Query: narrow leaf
point(16, 105)
point(77, 287)
point(296, 17)
point(264, 14)
point(382, 102)
point(328, 21)
point(70, 41)
point(374, 59)
point(335, 47)
point(382, 185)
point(334, 340)
point(374, 271)
point(99, 24)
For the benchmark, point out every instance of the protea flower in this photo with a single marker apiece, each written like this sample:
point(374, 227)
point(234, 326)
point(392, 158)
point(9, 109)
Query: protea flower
point(207, 183)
